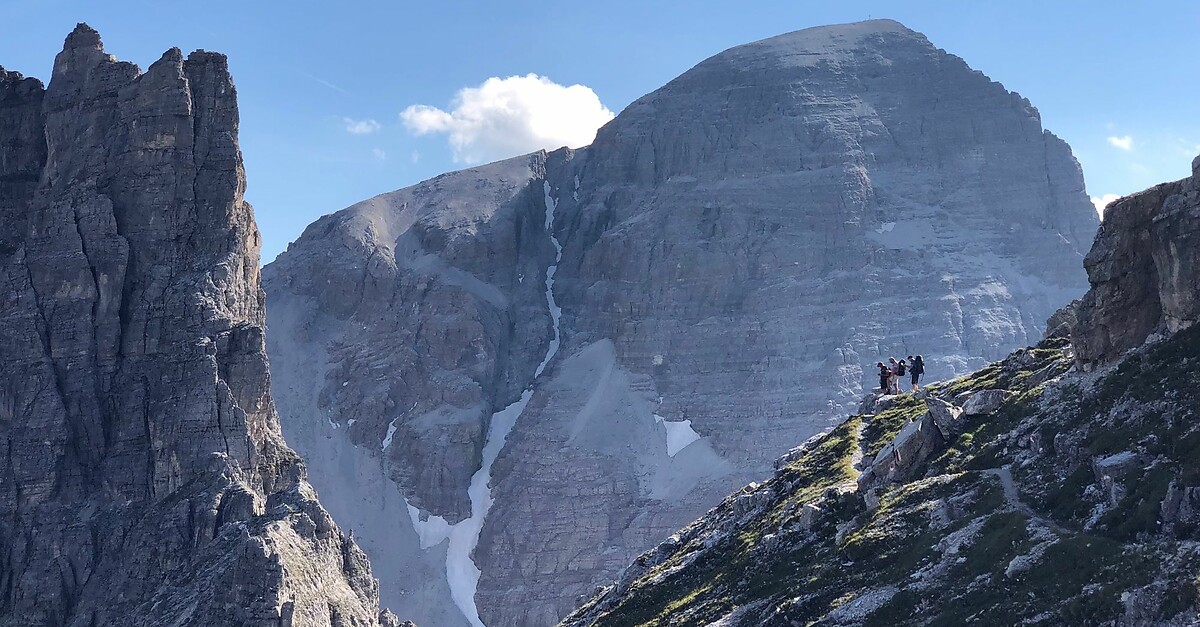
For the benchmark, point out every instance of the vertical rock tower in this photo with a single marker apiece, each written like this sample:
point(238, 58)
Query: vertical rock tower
point(143, 477)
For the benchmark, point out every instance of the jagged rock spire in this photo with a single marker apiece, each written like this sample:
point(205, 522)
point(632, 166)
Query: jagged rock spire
point(143, 448)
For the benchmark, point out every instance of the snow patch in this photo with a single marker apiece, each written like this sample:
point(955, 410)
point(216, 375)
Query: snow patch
point(912, 234)
point(555, 310)
point(432, 530)
point(387, 439)
point(461, 572)
point(679, 434)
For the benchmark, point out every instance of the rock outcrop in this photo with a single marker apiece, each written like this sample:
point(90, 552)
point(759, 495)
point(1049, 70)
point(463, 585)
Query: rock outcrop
point(737, 249)
point(143, 477)
point(1143, 271)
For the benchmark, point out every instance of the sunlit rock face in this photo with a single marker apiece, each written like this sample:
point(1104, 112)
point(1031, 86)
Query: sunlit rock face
point(143, 478)
point(739, 248)
point(1142, 270)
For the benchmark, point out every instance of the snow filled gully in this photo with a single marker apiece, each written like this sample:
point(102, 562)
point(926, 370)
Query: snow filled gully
point(461, 572)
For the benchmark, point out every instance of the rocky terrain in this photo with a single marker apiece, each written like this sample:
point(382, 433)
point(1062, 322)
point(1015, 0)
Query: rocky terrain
point(728, 261)
point(1060, 486)
point(143, 477)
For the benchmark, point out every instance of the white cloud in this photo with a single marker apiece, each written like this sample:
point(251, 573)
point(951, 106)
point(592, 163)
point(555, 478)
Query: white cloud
point(1124, 142)
point(379, 154)
point(1102, 201)
point(505, 117)
point(361, 127)
point(415, 157)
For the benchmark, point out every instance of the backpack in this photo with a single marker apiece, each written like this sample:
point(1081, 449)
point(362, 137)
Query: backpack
point(901, 369)
point(918, 367)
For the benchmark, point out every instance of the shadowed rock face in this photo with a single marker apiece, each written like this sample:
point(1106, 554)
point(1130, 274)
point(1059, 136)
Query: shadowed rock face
point(1143, 269)
point(143, 478)
point(739, 247)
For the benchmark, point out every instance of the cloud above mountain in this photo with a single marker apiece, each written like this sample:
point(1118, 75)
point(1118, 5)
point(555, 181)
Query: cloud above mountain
point(1102, 201)
point(504, 117)
point(1124, 142)
point(361, 127)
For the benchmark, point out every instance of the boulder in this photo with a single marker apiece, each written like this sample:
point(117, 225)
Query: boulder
point(985, 402)
point(915, 443)
point(1116, 466)
point(946, 416)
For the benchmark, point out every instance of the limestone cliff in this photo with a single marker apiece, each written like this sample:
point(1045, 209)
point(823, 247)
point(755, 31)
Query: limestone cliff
point(663, 313)
point(143, 477)
point(1144, 271)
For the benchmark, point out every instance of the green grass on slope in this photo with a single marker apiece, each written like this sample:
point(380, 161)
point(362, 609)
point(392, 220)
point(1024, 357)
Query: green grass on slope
point(884, 426)
point(1146, 405)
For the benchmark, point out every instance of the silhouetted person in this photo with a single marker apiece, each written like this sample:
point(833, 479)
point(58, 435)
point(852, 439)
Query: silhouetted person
point(916, 370)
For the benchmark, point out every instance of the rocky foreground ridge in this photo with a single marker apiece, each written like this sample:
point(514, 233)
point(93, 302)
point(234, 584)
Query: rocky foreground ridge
point(143, 477)
point(730, 257)
point(1059, 486)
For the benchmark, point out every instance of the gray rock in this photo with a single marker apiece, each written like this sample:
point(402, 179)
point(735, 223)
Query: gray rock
point(985, 402)
point(1116, 466)
point(1110, 473)
point(1142, 269)
point(1062, 322)
point(899, 459)
point(1181, 505)
point(946, 416)
point(144, 480)
point(739, 247)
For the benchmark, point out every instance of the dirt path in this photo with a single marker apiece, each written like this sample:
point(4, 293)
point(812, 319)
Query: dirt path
point(1013, 497)
point(857, 456)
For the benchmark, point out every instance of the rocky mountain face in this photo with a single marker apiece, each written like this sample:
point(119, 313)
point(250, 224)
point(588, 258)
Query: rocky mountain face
point(1060, 486)
point(143, 477)
point(514, 379)
point(1143, 271)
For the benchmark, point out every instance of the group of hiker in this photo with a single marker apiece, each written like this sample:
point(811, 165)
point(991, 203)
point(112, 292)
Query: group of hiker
point(890, 373)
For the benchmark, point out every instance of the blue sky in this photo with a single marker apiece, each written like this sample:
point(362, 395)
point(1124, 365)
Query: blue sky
point(1118, 83)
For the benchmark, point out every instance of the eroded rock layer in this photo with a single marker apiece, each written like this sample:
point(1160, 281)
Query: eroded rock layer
point(143, 477)
point(739, 248)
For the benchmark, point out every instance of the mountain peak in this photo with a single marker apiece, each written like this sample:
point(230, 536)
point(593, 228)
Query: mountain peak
point(83, 36)
point(848, 30)
point(807, 46)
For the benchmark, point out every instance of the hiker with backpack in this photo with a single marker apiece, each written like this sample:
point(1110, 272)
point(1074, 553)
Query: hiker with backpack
point(884, 375)
point(917, 368)
point(893, 376)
